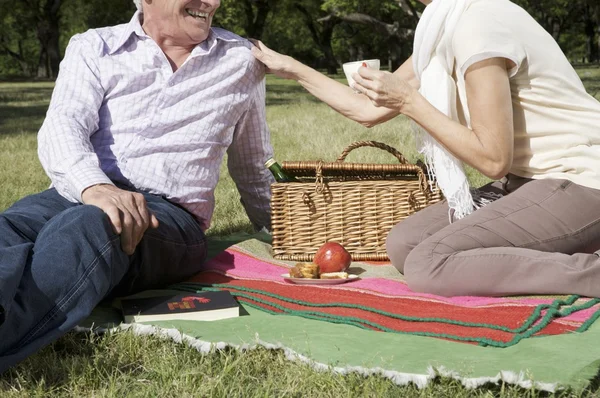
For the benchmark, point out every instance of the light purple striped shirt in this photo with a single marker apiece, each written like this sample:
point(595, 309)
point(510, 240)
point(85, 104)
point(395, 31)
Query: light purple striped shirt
point(119, 114)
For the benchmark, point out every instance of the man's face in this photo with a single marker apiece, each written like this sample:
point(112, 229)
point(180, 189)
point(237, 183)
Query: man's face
point(187, 21)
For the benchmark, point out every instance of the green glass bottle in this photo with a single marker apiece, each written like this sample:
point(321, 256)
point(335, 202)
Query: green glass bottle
point(277, 171)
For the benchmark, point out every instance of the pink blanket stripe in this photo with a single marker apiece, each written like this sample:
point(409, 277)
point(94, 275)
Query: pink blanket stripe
point(242, 265)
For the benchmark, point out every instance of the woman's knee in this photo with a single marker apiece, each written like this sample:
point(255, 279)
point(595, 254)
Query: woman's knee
point(399, 243)
point(421, 271)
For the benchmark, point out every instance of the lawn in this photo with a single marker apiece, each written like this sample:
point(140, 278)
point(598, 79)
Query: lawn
point(121, 364)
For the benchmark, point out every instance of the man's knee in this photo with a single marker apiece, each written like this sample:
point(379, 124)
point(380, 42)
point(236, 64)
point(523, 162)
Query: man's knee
point(84, 232)
point(83, 221)
point(83, 237)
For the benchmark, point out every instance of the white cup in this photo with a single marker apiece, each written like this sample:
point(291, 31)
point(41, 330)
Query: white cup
point(352, 67)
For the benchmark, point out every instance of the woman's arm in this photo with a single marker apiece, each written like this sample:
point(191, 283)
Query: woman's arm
point(338, 96)
point(488, 144)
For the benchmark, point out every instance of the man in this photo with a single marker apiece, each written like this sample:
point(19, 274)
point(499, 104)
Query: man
point(140, 119)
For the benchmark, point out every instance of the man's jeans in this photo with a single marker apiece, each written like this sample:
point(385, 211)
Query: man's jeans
point(59, 259)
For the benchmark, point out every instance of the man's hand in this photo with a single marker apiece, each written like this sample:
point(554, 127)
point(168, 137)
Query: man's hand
point(128, 212)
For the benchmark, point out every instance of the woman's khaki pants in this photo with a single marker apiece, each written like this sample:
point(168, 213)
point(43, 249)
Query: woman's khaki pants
point(539, 239)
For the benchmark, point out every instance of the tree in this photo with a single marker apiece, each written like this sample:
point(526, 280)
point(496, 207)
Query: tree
point(321, 30)
point(47, 28)
point(17, 41)
point(246, 17)
point(257, 12)
point(393, 20)
point(591, 20)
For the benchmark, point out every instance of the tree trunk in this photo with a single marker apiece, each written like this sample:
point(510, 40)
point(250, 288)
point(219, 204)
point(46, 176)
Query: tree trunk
point(397, 55)
point(328, 50)
point(556, 30)
point(261, 18)
point(322, 37)
point(42, 69)
point(54, 56)
point(598, 44)
point(48, 34)
point(255, 22)
point(590, 42)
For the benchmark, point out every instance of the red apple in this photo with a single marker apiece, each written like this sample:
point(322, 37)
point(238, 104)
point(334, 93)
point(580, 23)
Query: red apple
point(332, 257)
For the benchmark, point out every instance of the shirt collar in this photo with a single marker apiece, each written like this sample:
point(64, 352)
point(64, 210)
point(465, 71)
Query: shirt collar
point(135, 26)
point(215, 35)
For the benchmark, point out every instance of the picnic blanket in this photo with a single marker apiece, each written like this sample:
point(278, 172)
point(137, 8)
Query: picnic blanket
point(378, 325)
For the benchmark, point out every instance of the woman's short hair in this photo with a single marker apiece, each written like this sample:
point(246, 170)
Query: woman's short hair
point(138, 4)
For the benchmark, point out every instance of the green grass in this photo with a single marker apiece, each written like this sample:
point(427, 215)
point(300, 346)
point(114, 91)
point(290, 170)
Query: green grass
point(121, 364)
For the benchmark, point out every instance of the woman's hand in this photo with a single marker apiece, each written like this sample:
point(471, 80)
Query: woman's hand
point(278, 64)
point(384, 89)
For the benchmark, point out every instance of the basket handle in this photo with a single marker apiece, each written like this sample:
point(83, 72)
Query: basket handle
point(374, 144)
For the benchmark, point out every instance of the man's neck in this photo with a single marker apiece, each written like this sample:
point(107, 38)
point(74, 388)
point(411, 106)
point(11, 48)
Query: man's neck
point(175, 51)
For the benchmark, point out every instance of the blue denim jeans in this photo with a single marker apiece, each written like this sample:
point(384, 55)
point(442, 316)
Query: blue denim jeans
point(59, 259)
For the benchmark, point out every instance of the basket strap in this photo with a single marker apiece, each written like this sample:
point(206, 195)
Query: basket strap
point(373, 144)
point(319, 184)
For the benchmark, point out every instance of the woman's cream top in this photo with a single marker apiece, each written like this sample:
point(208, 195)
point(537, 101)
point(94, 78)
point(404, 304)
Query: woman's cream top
point(556, 122)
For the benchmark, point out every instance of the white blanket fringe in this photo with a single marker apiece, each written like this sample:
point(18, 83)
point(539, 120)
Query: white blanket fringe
point(400, 378)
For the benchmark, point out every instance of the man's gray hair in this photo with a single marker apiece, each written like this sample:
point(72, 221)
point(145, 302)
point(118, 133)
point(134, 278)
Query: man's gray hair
point(138, 4)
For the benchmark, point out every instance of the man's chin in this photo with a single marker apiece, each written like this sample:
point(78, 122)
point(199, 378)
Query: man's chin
point(200, 37)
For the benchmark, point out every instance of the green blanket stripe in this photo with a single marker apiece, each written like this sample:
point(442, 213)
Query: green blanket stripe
point(360, 322)
point(552, 309)
point(586, 325)
point(552, 313)
point(482, 341)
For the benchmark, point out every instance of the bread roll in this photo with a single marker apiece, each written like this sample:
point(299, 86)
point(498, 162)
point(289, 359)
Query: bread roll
point(334, 275)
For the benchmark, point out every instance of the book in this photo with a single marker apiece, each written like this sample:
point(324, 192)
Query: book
point(205, 306)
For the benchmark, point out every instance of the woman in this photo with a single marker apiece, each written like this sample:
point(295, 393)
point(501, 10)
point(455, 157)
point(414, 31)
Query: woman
point(521, 116)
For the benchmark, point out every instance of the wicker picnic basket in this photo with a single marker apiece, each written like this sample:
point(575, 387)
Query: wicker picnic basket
point(355, 204)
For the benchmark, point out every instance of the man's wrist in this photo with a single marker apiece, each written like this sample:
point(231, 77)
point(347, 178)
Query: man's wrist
point(93, 189)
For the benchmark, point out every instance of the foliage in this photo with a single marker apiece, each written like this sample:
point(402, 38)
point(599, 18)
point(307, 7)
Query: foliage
point(322, 33)
point(18, 44)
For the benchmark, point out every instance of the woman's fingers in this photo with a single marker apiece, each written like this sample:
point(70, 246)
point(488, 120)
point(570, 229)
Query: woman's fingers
point(257, 43)
point(363, 83)
point(369, 73)
point(373, 96)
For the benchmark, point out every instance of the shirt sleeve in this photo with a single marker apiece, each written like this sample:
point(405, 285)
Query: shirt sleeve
point(64, 146)
point(248, 152)
point(481, 35)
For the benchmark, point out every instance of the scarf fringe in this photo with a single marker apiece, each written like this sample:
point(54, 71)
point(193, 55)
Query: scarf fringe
point(433, 62)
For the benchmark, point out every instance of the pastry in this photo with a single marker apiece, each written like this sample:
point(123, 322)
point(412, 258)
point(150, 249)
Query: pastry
point(305, 270)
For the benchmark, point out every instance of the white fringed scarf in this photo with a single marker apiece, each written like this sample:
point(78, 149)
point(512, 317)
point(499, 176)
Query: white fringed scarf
point(433, 62)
